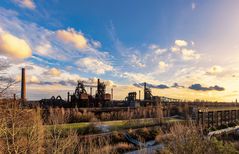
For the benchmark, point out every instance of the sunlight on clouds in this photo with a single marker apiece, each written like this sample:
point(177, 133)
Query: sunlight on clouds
point(175, 49)
point(139, 77)
point(180, 47)
point(73, 37)
point(53, 72)
point(13, 46)
point(34, 79)
point(44, 49)
point(214, 70)
point(136, 61)
point(163, 66)
point(93, 65)
point(26, 3)
point(190, 54)
point(181, 43)
point(157, 50)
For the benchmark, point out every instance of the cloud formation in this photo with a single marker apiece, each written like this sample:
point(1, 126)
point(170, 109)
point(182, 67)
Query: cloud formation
point(193, 6)
point(136, 61)
point(93, 65)
point(72, 36)
point(181, 43)
point(53, 72)
point(26, 3)
point(163, 66)
point(34, 79)
point(214, 70)
point(13, 46)
point(149, 85)
point(181, 47)
point(189, 54)
point(199, 87)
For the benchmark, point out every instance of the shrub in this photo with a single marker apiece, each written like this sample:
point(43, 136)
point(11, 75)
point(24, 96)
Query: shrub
point(90, 129)
point(123, 147)
point(232, 124)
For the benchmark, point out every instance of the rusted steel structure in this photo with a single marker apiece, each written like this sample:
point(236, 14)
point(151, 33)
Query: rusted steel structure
point(217, 116)
point(81, 99)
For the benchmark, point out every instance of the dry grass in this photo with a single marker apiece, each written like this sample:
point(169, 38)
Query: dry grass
point(21, 131)
point(187, 139)
point(123, 147)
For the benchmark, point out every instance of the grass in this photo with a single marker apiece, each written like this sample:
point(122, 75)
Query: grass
point(115, 125)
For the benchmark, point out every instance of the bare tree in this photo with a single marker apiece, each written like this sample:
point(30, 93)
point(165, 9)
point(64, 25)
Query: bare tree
point(21, 131)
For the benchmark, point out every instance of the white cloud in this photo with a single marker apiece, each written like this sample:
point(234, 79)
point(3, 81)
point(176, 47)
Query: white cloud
point(73, 37)
point(156, 49)
point(175, 49)
point(139, 77)
point(193, 6)
point(163, 66)
point(26, 3)
point(44, 42)
point(44, 49)
point(34, 79)
point(189, 54)
point(53, 72)
point(13, 46)
point(214, 70)
point(181, 43)
point(93, 65)
point(96, 44)
point(136, 61)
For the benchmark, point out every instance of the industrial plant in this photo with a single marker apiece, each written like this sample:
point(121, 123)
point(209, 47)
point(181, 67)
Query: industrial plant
point(207, 114)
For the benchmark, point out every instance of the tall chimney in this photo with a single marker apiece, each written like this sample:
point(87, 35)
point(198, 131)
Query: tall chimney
point(139, 94)
point(98, 85)
point(23, 85)
point(68, 97)
point(91, 91)
point(112, 93)
point(145, 90)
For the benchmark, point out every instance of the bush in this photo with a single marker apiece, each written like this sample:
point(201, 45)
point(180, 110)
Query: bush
point(232, 124)
point(223, 126)
point(123, 147)
point(211, 129)
point(218, 147)
point(189, 139)
point(90, 129)
point(118, 137)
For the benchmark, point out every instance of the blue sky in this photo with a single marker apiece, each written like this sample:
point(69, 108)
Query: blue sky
point(193, 43)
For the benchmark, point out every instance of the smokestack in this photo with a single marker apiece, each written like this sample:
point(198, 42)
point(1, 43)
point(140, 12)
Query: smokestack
point(23, 85)
point(91, 91)
point(14, 97)
point(144, 90)
point(139, 94)
point(68, 97)
point(98, 85)
point(112, 93)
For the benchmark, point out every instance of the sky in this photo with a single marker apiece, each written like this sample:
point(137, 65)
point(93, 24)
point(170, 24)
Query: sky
point(185, 49)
